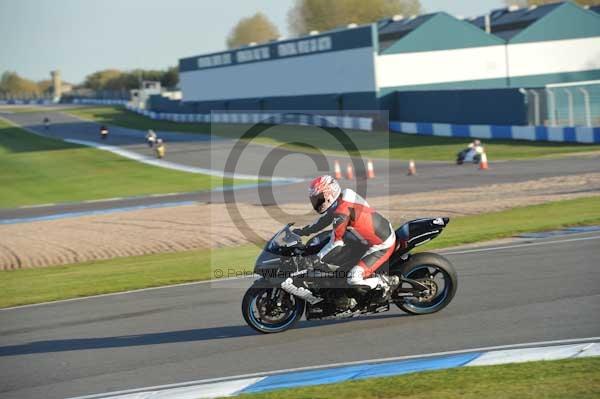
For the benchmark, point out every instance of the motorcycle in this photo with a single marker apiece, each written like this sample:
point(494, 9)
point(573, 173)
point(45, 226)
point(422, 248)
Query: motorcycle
point(469, 155)
point(103, 133)
point(273, 304)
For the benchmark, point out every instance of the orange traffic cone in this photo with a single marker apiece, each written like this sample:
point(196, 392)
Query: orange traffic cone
point(370, 170)
point(337, 170)
point(412, 169)
point(483, 163)
point(350, 172)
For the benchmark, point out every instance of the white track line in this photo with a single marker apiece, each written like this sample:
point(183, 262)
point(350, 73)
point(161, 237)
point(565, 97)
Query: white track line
point(342, 364)
point(468, 251)
point(103, 200)
point(215, 281)
point(144, 159)
point(225, 280)
point(148, 160)
point(36, 206)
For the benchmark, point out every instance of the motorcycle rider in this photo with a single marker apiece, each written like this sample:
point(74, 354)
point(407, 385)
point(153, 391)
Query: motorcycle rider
point(103, 132)
point(151, 138)
point(475, 144)
point(346, 209)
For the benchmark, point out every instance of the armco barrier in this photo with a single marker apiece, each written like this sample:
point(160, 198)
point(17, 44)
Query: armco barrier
point(570, 134)
point(344, 122)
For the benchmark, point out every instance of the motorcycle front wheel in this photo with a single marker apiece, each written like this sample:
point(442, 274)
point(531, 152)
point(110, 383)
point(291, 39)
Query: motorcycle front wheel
point(271, 310)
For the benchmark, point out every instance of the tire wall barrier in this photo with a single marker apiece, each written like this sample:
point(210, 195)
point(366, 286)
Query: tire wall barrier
point(344, 122)
point(99, 101)
point(38, 101)
point(578, 134)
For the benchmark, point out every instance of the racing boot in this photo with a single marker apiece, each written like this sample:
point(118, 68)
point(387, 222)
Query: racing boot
point(388, 285)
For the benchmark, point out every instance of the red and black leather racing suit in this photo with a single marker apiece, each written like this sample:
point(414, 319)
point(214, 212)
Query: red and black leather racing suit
point(352, 211)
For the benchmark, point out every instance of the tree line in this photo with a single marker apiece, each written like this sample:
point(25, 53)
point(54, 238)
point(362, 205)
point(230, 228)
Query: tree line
point(13, 85)
point(322, 15)
point(116, 80)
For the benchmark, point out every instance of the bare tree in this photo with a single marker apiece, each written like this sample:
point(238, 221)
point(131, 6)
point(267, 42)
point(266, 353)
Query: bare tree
point(321, 15)
point(256, 28)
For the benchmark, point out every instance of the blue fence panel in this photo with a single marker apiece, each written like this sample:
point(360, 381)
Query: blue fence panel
point(485, 107)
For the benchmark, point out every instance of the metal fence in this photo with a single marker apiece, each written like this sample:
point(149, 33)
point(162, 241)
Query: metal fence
point(564, 104)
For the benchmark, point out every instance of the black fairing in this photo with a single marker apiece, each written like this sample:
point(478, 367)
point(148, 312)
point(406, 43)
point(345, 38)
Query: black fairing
point(418, 232)
point(274, 260)
point(268, 263)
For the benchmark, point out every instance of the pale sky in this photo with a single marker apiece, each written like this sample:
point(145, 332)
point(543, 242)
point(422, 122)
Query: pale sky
point(83, 36)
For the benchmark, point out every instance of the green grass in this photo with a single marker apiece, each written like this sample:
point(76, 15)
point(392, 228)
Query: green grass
point(115, 275)
point(24, 109)
point(559, 379)
point(19, 287)
point(36, 170)
point(372, 144)
point(490, 226)
point(21, 109)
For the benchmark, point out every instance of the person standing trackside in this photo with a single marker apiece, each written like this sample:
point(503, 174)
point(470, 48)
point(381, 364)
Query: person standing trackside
point(160, 148)
point(47, 123)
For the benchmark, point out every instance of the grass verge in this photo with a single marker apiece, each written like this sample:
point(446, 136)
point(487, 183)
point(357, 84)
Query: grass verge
point(38, 170)
point(495, 225)
point(572, 378)
point(27, 286)
point(23, 109)
point(372, 144)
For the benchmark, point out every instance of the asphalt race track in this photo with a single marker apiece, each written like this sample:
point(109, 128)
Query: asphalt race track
point(200, 151)
point(518, 293)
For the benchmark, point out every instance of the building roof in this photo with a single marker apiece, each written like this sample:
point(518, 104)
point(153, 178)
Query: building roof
point(431, 32)
point(389, 29)
point(508, 22)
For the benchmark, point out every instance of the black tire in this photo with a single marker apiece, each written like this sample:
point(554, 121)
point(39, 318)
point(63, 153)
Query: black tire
point(418, 267)
point(249, 302)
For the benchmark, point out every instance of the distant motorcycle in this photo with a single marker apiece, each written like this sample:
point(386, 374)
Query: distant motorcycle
point(469, 154)
point(428, 281)
point(103, 132)
point(151, 138)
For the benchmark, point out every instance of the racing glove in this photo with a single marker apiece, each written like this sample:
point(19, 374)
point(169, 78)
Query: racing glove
point(299, 231)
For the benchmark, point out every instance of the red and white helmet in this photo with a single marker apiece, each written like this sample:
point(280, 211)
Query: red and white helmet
point(323, 192)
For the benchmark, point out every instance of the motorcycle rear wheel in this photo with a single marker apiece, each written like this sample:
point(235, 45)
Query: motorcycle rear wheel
point(432, 270)
point(260, 304)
